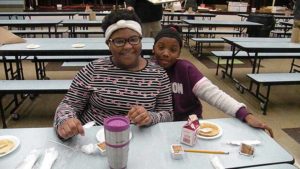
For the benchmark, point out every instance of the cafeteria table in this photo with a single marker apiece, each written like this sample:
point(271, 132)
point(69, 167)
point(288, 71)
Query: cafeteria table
point(59, 47)
point(16, 15)
point(200, 24)
point(150, 147)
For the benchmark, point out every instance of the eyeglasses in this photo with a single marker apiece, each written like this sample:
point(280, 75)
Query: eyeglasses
point(120, 42)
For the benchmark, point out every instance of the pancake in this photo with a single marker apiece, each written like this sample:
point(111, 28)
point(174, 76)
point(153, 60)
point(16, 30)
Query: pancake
point(214, 130)
point(6, 145)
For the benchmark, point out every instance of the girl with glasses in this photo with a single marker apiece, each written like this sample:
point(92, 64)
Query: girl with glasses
point(123, 84)
point(189, 85)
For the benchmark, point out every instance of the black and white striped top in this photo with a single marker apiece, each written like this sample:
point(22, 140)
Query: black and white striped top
point(101, 90)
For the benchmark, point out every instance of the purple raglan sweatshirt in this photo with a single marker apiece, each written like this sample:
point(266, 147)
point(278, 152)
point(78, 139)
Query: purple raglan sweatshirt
point(183, 77)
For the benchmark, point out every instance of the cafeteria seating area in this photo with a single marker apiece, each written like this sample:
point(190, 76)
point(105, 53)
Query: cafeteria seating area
point(205, 38)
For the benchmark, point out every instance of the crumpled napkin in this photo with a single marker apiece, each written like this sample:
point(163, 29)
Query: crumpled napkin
point(30, 160)
point(249, 142)
point(89, 148)
point(50, 156)
point(216, 162)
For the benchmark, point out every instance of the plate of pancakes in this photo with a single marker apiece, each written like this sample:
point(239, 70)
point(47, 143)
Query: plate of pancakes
point(8, 144)
point(209, 130)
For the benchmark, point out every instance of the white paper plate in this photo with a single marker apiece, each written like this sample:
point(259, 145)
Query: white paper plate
point(78, 45)
point(13, 139)
point(161, 1)
point(32, 46)
point(214, 137)
point(101, 138)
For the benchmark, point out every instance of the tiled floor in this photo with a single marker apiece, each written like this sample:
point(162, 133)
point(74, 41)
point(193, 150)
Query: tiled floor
point(283, 110)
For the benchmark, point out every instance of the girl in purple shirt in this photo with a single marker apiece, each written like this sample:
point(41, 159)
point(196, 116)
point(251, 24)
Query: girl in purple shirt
point(189, 85)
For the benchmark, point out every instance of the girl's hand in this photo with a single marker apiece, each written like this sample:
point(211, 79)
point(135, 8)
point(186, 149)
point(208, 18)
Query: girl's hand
point(139, 115)
point(256, 123)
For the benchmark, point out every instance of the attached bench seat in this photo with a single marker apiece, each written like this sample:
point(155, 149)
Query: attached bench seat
point(68, 58)
point(207, 34)
point(208, 40)
point(29, 87)
point(86, 33)
point(27, 33)
point(200, 41)
point(39, 62)
point(34, 86)
point(279, 27)
point(83, 63)
point(211, 32)
point(268, 80)
point(278, 33)
point(40, 67)
point(52, 58)
point(173, 21)
point(244, 55)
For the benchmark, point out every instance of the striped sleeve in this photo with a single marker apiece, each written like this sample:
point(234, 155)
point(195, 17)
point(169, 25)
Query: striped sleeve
point(77, 96)
point(164, 108)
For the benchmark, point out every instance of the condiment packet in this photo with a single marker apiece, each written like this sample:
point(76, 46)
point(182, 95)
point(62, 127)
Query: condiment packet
point(177, 151)
point(246, 149)
point(239, 142)
point(189, 131)
point(102, 148)
point(216, 162)
point(29, 160)
point(50, 156)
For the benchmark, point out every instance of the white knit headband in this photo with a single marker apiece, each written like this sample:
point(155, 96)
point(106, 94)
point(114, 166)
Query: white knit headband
point(123, 24)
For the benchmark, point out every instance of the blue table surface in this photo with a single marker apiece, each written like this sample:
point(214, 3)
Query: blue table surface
point(222, 23)
point(150, 147)
point(58, 44)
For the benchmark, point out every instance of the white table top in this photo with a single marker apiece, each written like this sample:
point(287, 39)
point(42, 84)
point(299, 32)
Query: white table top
point(81, 22)
point(150, 147)
point(189, 14)
point(29, 22)
point(41, 86)
point(63, 46)
point(275, 166)
point(221, 23)
point(37, 13)
point(265, 45)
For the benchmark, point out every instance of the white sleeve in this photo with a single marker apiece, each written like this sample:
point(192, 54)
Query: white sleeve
point(205, 90)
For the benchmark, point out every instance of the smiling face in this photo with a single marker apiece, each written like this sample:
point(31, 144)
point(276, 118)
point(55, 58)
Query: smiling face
point(127, 56)
point(166, 51)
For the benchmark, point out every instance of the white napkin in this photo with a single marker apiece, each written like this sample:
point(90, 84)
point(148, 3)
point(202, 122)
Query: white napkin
point(30, 160)
point(49, 158)
point(89, 148)
point(249, 142)
point(216, 162)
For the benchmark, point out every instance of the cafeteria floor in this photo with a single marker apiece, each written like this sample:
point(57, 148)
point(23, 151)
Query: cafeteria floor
point(283, 110)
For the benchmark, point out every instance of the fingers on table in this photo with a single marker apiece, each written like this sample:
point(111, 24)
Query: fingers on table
point(139, 115)
point(71, 128)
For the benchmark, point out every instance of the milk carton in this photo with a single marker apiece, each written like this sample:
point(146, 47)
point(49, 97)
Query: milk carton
point(189, 131)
